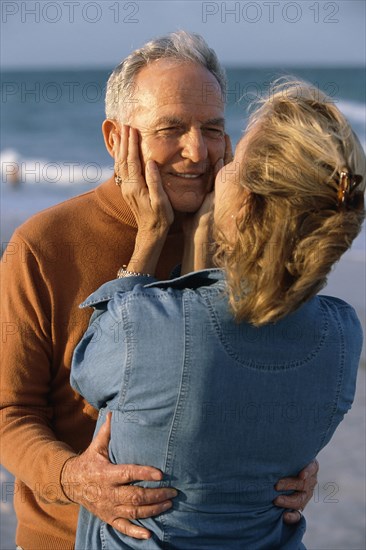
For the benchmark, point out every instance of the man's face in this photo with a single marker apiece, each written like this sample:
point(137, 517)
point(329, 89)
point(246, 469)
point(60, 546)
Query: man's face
point(179, 113)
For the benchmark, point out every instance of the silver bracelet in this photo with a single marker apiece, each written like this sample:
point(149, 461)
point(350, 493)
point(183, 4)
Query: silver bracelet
point(123, 272)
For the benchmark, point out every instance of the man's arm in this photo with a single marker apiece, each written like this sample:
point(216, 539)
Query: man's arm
point(29, 447)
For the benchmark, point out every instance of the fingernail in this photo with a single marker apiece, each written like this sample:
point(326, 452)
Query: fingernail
point(156, 475)
point(167, 505)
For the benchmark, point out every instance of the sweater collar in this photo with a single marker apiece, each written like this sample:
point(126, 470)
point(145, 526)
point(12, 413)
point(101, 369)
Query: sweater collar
point(112, 202)
point(193, 280)
point(110, 198)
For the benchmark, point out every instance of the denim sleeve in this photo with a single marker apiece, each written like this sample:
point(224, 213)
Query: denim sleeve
point(351, 336)
point(99, 358)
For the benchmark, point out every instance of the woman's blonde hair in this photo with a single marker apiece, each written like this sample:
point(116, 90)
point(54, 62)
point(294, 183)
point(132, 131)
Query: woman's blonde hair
point(297, 221)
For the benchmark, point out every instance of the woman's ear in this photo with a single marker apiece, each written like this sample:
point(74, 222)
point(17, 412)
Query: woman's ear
point(111, 128)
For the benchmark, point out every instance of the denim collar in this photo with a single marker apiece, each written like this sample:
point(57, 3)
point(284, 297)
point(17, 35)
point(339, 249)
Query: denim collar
point(204, 277)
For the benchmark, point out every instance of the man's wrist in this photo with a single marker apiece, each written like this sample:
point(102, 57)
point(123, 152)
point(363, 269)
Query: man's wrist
point(66, 481)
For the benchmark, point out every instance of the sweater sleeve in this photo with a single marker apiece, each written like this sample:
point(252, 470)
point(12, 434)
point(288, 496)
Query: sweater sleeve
point(29, 447)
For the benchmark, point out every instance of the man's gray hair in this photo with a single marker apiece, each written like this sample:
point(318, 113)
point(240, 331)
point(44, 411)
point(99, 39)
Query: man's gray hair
point(181, 46)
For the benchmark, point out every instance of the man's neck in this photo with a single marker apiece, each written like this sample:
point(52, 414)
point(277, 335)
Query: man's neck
point(177, 224)
point(179, 218)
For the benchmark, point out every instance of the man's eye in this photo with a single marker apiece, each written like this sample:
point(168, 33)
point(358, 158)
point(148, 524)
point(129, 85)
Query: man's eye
point(214, 131)
point(169, 129)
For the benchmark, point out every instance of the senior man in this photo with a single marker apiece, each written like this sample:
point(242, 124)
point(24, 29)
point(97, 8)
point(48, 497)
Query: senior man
point(171, 90)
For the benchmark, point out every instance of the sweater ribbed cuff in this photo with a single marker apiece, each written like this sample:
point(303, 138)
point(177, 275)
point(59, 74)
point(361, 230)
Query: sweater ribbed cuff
point(30, 539)
point(50, 488)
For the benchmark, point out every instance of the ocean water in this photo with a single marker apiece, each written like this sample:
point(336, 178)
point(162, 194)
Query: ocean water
point(51, 119)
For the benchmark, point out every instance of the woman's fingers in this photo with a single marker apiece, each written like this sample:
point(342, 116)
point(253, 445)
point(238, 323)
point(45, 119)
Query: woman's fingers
point(228, 156)
point(133, 157)
point(153, 178)
point(159, 200)
point(120, 151)
point(129, 164)
point(144, 193)
point(219, 164)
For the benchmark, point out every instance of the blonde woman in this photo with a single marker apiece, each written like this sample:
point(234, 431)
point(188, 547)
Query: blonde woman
point(229, 378)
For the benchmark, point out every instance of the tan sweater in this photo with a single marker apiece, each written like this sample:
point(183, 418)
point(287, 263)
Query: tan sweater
point(53, 262)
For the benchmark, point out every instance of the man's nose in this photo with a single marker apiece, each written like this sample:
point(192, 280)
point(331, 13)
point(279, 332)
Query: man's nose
point(194, 146)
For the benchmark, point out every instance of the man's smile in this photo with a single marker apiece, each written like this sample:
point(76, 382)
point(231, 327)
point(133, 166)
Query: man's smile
point(187, 175)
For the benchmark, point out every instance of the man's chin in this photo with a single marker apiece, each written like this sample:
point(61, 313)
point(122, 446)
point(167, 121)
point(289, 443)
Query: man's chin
point(187, 208)
point(187, 203)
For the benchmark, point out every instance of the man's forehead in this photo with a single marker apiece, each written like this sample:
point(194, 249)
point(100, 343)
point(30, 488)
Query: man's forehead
point(173, 113)
point(165, 82)
point(179, 95)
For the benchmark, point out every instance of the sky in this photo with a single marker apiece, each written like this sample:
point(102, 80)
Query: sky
point(46, 34)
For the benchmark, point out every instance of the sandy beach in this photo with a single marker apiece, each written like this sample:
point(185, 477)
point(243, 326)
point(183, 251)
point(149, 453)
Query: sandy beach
point(336, 514)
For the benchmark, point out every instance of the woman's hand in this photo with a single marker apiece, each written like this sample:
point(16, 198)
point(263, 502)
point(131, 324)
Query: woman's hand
point(146, 198)
point(143, 193)
point(197, 231)
point(198, 240)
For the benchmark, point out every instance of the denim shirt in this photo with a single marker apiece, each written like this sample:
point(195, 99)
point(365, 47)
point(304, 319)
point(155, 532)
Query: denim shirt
point(223, 409)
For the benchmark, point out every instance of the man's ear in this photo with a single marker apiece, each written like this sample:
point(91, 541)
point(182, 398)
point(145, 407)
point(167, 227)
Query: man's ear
point(109, 129)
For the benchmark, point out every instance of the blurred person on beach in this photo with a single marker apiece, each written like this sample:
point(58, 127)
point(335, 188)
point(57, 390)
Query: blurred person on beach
point(10, 168)
point(61, 255)
point(286, 208)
